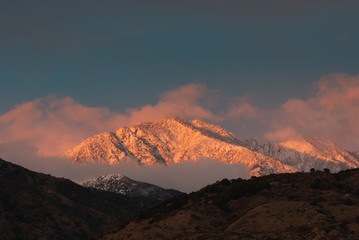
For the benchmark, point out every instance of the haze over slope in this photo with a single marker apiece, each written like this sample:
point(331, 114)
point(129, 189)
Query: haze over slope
point(174, 140)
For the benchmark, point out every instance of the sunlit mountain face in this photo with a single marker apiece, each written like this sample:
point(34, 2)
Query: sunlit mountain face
point(174, 140)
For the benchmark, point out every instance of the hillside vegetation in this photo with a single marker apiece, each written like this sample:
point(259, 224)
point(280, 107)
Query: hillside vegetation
point(315, 205)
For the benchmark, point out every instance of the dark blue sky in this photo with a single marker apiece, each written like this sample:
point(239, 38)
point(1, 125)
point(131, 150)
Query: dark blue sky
point(124, 54)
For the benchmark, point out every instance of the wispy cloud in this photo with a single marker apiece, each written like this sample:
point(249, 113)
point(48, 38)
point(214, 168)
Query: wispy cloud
point(333, 112)
point(53, 125)
point(344, 38)
point(185, 101)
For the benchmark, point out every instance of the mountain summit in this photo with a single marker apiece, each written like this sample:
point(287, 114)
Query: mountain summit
point(174, 140)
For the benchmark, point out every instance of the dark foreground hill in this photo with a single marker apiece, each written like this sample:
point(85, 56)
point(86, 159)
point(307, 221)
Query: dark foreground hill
point(316, 205)
point(39, 206)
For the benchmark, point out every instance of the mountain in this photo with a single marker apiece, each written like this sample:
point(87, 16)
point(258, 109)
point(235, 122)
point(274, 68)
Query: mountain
point(171, 141)
point(39, 206)
point(307, 153)
point(174, 140)
point(315, 205)
point(126, 186)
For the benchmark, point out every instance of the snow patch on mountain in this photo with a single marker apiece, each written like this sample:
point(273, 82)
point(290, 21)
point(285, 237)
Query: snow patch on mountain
point(126, 186)
point(307, 153)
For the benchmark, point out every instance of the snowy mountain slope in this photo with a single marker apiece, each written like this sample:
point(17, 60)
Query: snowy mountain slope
point(126, 186)
point(307, 153)
point(171, 141)
point(174, 140)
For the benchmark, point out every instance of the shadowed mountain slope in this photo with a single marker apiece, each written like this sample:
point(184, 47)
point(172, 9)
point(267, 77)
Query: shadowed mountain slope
point(39, 206)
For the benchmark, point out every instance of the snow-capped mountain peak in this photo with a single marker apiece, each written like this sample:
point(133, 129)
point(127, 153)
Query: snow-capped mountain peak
point(173, 140)
point(108, 177)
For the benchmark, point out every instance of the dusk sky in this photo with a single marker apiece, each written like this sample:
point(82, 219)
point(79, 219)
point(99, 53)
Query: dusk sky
point(271, 70)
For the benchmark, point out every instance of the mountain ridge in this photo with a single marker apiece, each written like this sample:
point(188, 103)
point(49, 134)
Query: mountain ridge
point(307, 153)
point(174, 140)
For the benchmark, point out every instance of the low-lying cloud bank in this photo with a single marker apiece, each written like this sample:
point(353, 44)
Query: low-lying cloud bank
point(51, 125)
point(187, 176)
